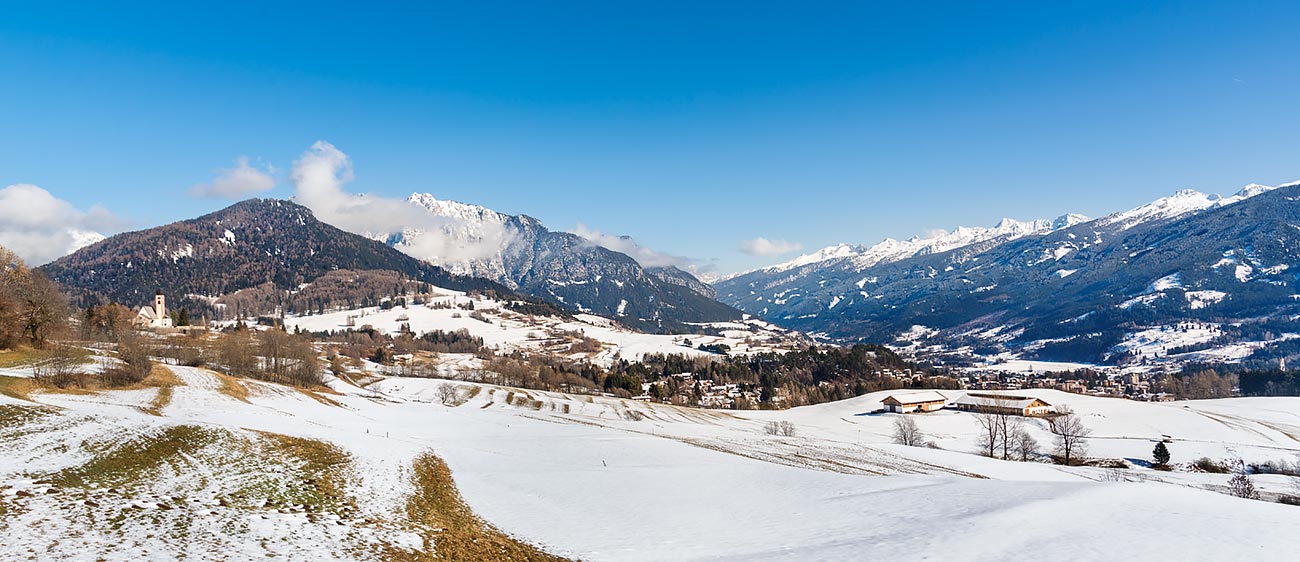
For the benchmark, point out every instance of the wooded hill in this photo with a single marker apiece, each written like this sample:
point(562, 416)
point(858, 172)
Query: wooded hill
point(249, 244)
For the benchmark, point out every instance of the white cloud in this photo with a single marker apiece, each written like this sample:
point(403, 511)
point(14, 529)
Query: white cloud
point(763, 247)
point(237, 182)
point(40, 227)
point(319, 176)
point(643, 255)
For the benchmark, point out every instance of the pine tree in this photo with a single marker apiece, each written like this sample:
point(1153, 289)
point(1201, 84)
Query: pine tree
point(1160, 454)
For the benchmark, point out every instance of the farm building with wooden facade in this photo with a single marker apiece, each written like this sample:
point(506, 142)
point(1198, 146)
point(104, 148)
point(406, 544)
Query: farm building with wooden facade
point(1003, 404)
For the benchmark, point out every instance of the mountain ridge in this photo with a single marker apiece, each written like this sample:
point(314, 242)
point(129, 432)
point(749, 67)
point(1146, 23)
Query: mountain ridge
point(1089, 278)
point(565, 268)
point(244, 245)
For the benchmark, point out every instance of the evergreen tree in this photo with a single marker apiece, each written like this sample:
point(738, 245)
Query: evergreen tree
point(1161, 454)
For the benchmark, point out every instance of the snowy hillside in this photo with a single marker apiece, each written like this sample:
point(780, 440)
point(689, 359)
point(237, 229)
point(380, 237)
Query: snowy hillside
point(544, 467)
point(505, 330)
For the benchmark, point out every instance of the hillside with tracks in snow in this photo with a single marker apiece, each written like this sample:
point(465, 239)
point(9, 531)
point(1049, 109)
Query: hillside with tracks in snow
point(599, 478)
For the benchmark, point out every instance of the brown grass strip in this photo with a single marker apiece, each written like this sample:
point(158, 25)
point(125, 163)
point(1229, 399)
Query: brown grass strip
point(450, 529)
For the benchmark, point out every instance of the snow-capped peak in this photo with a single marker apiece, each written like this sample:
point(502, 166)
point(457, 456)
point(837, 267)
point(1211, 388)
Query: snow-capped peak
point(1246, 193)
point(890, 250)
point(455, 209)
point(82, 238)
point(1183, 202)
point(1069, 219)
point(1180, 203)
point(827, 253)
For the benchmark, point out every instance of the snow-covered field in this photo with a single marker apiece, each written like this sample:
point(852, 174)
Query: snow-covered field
point(597, 478)
point(506, 330)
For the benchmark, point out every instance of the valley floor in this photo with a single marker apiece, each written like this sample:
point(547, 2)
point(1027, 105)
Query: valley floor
point(254, 470)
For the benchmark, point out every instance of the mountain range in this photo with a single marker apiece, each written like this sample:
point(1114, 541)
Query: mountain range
point(242, 246)
point(1069, 289)
point(564, 268)
point(263, 241)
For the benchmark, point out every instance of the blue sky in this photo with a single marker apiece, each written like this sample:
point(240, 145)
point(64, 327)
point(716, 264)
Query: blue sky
point(690, 127)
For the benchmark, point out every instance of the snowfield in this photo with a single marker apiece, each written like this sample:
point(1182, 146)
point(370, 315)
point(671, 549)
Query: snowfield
point(604, 479)
point(506, 330)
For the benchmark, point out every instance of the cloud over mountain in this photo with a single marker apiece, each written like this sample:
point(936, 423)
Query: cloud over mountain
point(237, 182)
point(40, 227)
point(763, 247)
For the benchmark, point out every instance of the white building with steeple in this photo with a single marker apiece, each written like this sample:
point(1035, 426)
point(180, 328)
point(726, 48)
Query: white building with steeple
point(155, 317)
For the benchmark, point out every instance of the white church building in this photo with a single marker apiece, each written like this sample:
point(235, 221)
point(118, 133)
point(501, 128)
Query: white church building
point(156, 316)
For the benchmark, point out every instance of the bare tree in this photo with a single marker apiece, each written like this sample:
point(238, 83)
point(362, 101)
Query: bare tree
point(236, 353)
point(41, 310)
point(1071, 435)
point(991, 428)
point(11, 270)
point(1008, 427)
point(782, 428)
point(1024, 444)
point(288, 359)
point(906, 432)
point(61, 368)
point(787, 429)
point(447, 393)
point(134, 353)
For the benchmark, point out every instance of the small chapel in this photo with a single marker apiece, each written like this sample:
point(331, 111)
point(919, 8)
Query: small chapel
point(156, 316)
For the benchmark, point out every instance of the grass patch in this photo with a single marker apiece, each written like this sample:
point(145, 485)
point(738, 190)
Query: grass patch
point(450, 529)
point(161, 376)
point(17, 387)
point(164, 380)
point(15, 415)
point(231, 387)
point(317, 397)
point(132, 460)
point(322, 470)
point(24, 355)
point(462, 398)
point(160, 401)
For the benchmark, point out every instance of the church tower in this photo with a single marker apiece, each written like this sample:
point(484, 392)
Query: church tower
point(159, 305)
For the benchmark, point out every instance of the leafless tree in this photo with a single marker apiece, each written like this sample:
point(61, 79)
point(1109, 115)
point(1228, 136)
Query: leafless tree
point(1008, 428)
point(787, 429)
point(991, 429)
point(1025, 446)
point(1071, 435)
point(61, 367)
point(236, 354)
point(782, 428)
point(134, 353)
point(288, 359)
point(447, 393)
point(906, 432)
point(39, 310)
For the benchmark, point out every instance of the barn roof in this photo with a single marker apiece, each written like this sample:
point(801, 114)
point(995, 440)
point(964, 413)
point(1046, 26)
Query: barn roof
point(917, 397)
point(998, 400)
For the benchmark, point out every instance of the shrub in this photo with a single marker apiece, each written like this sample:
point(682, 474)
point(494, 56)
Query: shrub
point(783, 428)
point(1206, 464)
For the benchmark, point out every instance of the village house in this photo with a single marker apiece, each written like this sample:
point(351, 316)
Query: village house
point(915, 402)
point(1003, 404)
point(154, 317)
